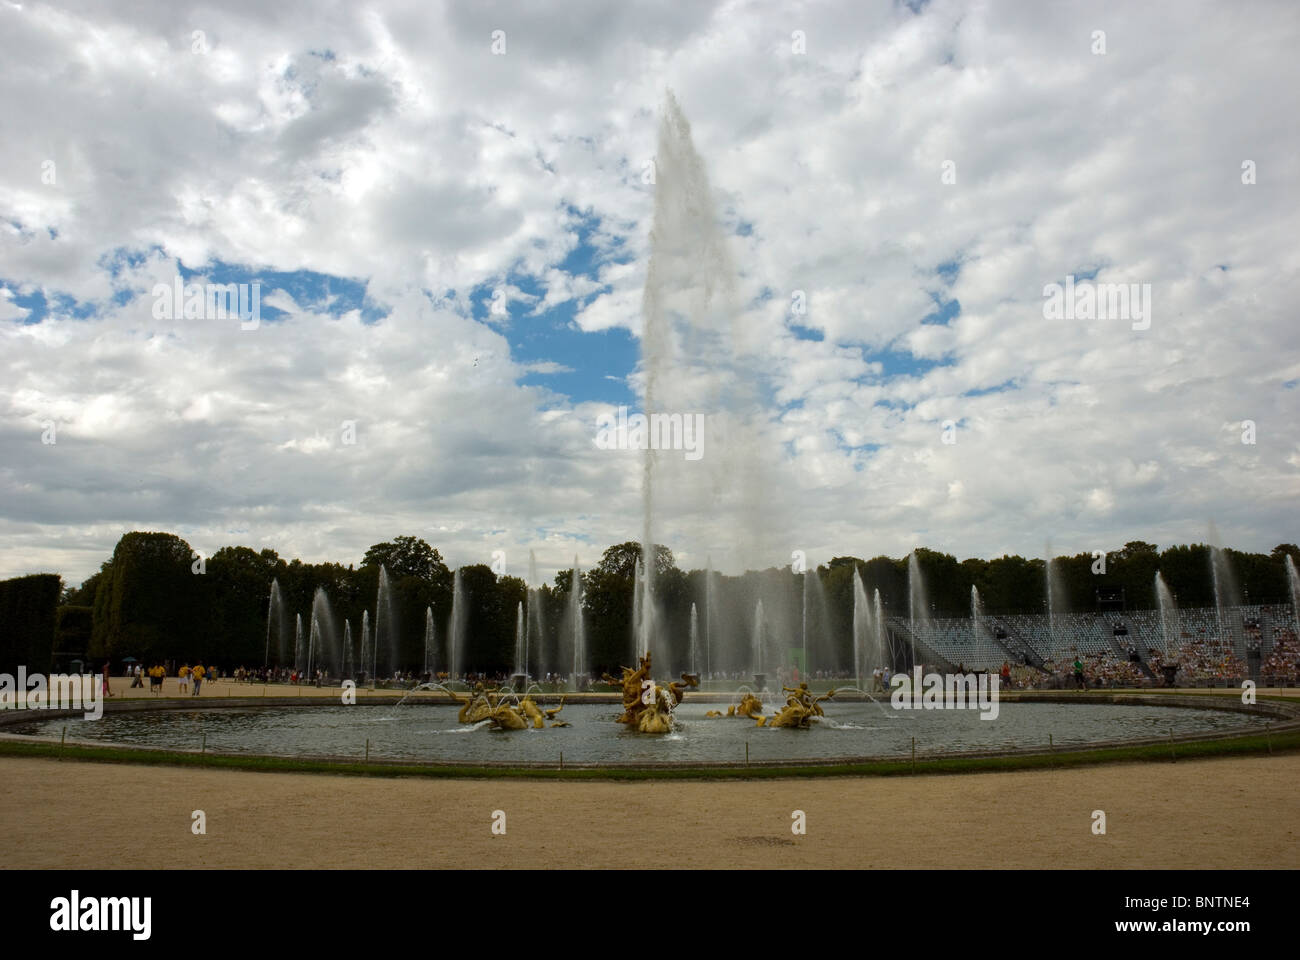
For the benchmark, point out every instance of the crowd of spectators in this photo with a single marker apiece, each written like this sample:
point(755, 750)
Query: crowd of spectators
point(1197, 660)
point(1283, 662)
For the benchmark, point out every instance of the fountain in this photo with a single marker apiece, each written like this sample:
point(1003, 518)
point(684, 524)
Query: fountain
point(861, 629)
point(1293, 583)
point(801, 709)
point(365, 645)
point(1225, 588)
point(521, 649)
point(816, 647)
point(428, 641)
point(274, 614)
point(580, 668)
point(757, 664)
point(385, 626)
point(456, 626)
point(879, 624)
point(535, 632)
point(1169, 628)
point(297, 644)
point(648, 708)
point(349, 663)
point(322, 648)
point(708, 617)
point(313, 641)
point(502, 710)
point(976, 613)
point(644, 612)
point(803, 628)
point(918, 611)
point(695, 639)
point(1048, 594)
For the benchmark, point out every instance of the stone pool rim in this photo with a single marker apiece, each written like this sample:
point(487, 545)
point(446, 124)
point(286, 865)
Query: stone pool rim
point(1284, 723)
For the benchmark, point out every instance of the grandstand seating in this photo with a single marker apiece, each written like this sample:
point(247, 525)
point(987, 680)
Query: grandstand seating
point(1208, 647)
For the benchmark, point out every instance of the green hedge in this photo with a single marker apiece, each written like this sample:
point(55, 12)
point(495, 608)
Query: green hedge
point(28, 608)
point(72, 630)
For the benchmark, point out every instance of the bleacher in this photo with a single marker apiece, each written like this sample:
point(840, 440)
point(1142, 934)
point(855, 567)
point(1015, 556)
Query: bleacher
point(1207, 646)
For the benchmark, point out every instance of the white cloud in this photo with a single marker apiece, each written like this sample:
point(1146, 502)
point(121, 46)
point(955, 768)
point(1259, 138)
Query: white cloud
point(391, 146)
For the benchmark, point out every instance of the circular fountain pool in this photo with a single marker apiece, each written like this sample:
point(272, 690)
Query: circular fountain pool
point(430, 733)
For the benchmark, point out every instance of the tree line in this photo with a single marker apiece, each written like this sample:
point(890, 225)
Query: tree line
point(155, 599)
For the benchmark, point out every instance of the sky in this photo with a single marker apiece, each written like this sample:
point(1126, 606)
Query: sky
point(449, 212)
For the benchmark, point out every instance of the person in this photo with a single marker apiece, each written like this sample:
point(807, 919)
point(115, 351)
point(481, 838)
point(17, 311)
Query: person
point(197, 675)
point(184, 676)
point(1006, 674)
point(876, 686)
point(138, 680)
point(108, 692)
point(1078, 673)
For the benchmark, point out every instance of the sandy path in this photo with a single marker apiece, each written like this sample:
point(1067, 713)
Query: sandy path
point(1207, 813)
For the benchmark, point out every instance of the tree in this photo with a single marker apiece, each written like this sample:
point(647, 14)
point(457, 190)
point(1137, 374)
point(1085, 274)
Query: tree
point(622, 559)
point(408, 557)
point(150, 604)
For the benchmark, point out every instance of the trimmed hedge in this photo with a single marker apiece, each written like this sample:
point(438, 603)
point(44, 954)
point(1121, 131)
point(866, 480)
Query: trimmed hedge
point(72, 630)
point(28, 608)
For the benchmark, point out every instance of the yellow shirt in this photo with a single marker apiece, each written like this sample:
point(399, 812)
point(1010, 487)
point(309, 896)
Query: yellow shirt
point(184, 672)
point(197, 672)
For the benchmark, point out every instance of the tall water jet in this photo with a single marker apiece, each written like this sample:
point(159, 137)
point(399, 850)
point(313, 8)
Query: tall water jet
point(297, 644)
point(323, 646)
point(708, 616)
point(884, 659)
point(456, 626)
point(580, 668)
point(689, 299)
point(535, 630)
point(273, 615)
point(814, 626)
point(1047, 593)
point(918, 613)
point(695, 639)
point(1054, 593)
point(1169, 628)
point(428, 641)
point(807, 585)
point(521, 655)
point(385, 626)
point(861, 629)
point(976, 612)
point(313, 642)
point(1225, 586)
point(759, 641)
point(637, 612)
point(349, 661)
point(645, 614)
point(366, 644)
point(1293, 583)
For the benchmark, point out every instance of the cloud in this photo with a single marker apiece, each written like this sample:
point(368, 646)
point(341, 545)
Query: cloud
point(391, 147)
